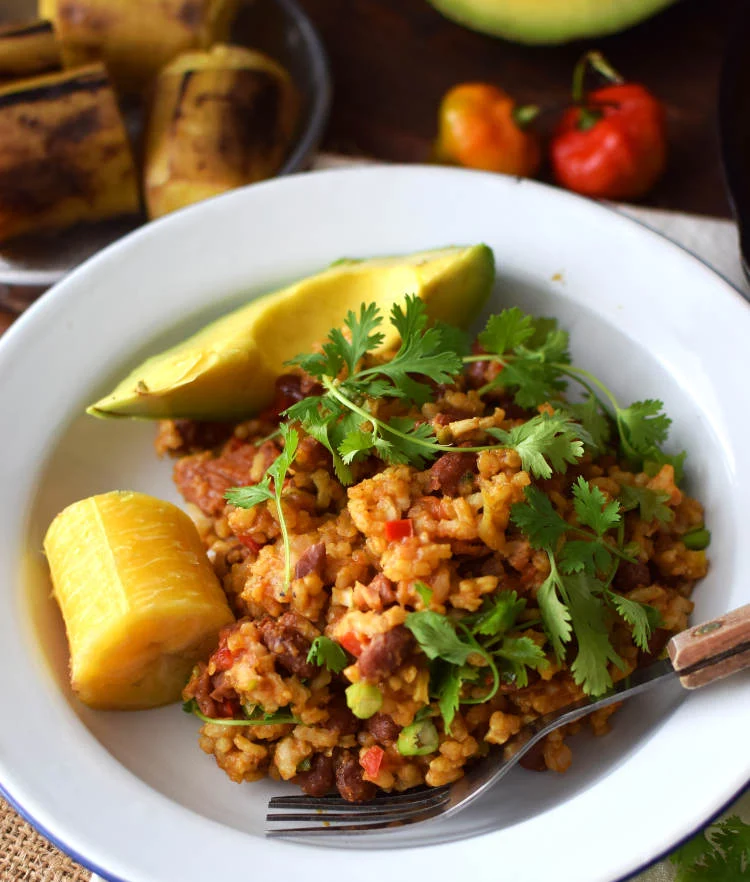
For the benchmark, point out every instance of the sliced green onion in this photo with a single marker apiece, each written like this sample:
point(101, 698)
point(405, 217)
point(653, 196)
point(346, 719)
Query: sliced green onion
point(697, 540)
point(418, 739)
point(363, 700)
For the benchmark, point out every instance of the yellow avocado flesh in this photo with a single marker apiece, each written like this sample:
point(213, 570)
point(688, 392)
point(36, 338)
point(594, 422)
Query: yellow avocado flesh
point(228, 369)
point(549, 21)
point(140, 601)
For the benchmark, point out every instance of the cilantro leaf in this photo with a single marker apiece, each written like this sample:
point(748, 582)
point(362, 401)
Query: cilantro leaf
point(446, 682)
point(585, 556)
point(646, 426)
point(453, 339)
point(649, 503)
point(422, 352)
point(247, 497)
point(640, 616)
point(556, 617)
point(719, 854)
point(519, 654)
point(538, 519)
point(533, 382)
point(592, 507)
point(328, 653)
point(500, 614)
point(595, 651)
point(506, 331)
point(356, 444)
point(592, 418)
point(437, 637)
point(545, 443)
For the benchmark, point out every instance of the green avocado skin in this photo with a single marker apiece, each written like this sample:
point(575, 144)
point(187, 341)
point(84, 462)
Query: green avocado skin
point(228, 369)
point(550, 22)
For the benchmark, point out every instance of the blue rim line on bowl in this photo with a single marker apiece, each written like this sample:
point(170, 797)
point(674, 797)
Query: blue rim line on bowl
point(66, 849)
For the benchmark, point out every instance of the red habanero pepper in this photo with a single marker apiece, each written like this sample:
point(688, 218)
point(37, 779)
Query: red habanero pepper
point(480, 126)
point(396, 530)
point(370, 761)
point(612, 145)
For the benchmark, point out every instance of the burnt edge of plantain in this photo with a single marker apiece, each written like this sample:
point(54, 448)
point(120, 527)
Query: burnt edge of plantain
point(88, 82)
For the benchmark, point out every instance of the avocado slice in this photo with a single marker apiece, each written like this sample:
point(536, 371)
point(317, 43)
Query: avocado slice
point(549, 21)
point(228, 369)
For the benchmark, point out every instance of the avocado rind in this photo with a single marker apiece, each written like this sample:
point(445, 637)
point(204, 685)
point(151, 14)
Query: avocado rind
point(549, 22)
point(227, 370)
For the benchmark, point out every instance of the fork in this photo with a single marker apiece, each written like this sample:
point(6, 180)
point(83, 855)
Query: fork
point(698, 656)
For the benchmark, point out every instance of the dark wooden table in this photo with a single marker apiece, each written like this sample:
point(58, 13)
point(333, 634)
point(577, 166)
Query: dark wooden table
point(393, 59)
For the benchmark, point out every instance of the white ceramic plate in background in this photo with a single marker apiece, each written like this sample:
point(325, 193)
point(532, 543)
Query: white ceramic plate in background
point(131, 793)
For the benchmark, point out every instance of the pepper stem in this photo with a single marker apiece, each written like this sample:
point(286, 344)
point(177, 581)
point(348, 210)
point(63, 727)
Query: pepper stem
point(596, 61)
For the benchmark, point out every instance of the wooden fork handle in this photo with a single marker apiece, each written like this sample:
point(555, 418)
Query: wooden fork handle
point(717, 648)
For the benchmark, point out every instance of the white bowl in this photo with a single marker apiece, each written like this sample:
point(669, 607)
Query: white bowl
point(130, 793)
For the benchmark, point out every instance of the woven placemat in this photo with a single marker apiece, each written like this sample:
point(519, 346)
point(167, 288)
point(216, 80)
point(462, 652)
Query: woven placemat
point(26, 856)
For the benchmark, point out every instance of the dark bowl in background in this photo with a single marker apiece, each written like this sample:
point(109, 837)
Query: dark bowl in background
point(279, 28)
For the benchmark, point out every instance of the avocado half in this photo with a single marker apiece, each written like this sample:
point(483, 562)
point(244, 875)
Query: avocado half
point(229, 368)
point(549, 21)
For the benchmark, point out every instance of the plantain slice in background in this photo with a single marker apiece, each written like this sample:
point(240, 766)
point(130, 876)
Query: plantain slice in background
point(219, 119)
point(64, 153)
point(28, 50)
point(135, 38)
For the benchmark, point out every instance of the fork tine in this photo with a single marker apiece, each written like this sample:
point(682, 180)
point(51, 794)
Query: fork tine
point(383, 812)
point(316, 803)
point(327, 828)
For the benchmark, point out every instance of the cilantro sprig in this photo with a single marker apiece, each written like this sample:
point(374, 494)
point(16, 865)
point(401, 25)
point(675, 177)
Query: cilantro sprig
point(270, 488)
point(475, 650)
point(536, 366)
point(576, 600)
point(326, 652)
point(719, 854)
point(344, 420)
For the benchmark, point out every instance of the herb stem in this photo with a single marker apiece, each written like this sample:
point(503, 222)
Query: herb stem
point(277, 488)
point(382, 426)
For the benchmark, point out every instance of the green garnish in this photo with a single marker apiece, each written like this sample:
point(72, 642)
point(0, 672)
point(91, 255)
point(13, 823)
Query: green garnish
point(575, 598)
point(254, 716)
point(697, 540)
point(450, 642)
point(536, 366)
point(342, 419)
point(575, 601)
point(418, 739)
point(247, 497)
point(649, 503)
point(719, 854)
point(363, 700)
point(325, 651)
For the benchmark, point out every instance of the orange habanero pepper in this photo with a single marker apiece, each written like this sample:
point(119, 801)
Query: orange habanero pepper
point(480, 126)
point(612, 145)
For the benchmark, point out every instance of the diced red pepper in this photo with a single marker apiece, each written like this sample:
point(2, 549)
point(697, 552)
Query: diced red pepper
point(223, 659)
point(370, 761)
point(397, 530)
point(351, 644)
point(229, 708)
point(249, 542)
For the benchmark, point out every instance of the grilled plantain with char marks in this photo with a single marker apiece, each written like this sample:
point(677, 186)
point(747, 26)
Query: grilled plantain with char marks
point(219, 119)
point(64, 153)
point(28, 50)
point(135, 38)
